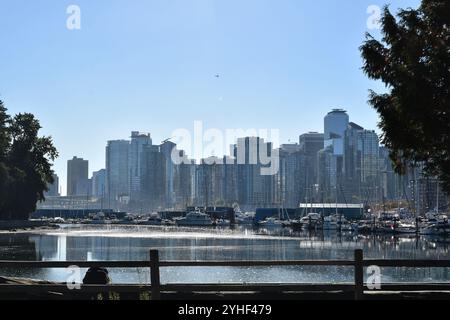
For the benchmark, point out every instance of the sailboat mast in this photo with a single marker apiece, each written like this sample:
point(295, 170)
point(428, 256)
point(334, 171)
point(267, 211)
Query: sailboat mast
point(437, 197)
point(336, 200)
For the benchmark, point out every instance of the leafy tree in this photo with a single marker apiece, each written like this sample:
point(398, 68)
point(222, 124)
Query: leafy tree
point(25, 165)
point(413, 61)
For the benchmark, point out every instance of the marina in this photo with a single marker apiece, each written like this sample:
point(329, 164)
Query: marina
point(393, 222)
point(116, 242)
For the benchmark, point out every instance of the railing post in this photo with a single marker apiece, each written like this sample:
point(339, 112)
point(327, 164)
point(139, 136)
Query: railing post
point(154, 275)
point(359, 274)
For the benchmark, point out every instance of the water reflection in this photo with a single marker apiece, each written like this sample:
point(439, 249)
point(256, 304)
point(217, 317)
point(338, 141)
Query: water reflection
point(133, 243)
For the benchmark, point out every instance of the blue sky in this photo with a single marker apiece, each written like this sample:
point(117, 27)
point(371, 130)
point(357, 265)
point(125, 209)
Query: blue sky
point(150, 65)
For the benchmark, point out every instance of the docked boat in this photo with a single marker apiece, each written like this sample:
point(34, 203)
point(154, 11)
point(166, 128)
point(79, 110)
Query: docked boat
point(365, 227)
point(57, 220)
point(153, 220)
point(271, 222)
point(282, 221)
point(129, 220)
point(311, 221)
point(296, 225)
point(436, 229)
point(336, 222)
point(246, 218)
point(405, 228)
point(100, 218)
point(221, 223)
point(195, 219)
point(440, 227)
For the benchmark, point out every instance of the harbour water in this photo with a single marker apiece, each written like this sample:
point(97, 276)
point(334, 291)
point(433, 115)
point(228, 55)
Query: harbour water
point(98, 243)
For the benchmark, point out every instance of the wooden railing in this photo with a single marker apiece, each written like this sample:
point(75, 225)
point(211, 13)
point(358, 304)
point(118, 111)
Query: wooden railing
point(358, 287)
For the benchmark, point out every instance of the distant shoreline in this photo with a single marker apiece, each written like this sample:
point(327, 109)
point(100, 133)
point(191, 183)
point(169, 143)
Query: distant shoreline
point(17, 226)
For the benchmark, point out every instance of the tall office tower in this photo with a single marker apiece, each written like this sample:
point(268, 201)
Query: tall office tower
point(215, 182)
point(77, 177)
point(117, 176)
point(329, 176)
point(254, 189)
point(167, 147)
point(99, 183)
point(153, 175)
point(290, 181)
point(207, 182)
point(138, 142)
point(394, 186)
point(53, 189)
point(332, 156)
point(183, 181)
point(335, 124)
point(368, 148)
point(310, 144)
point(229, 181)
point(352, 165)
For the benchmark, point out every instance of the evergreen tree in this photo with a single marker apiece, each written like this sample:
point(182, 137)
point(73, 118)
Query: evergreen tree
point(413, 61)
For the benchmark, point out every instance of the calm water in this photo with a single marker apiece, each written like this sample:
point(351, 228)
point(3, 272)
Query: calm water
point(133, 243)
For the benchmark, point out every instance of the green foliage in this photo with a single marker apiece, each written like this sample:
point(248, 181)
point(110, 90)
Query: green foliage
point(25, 165)
point(413, 61)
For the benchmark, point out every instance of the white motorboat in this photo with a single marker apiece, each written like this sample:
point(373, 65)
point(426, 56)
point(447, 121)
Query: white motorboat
point(153, 220)
point(405, 228)
point(336, 222)
point(221, 223)
point(246, 218)
point(195, 219)
point(100, 218)
point(311, 221)
point(58, 220)
point(438, 228)
point(271, 223)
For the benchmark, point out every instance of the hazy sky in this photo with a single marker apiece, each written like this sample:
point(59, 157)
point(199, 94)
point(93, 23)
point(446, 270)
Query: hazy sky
point(151, 65)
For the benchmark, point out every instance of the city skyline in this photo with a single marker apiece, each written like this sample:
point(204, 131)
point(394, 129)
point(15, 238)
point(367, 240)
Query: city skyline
point(344, 164)
point(62, 179)
point(294, 56)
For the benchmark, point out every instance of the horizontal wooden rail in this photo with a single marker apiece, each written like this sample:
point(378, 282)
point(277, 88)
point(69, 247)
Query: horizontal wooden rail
point(258, 287)
point(358, 286)
point(224, 287)
point(408, 263)
point(256, 263)
point(81, 264)
point(145, 264)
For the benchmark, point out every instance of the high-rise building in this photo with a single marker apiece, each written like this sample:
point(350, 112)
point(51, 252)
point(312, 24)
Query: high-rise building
point(352, 164)
point(229, 181)
point(394, 186)
point(184, 186)
point(330, 176)
point(99, 183)
point(335, 124)
point(368, 148)
point(290, 182)
point(207, 182)
point(331, 158)
point(53, 188)
point(153, 176)
point(138, 142)
point(167, 147)
point(77, 177)
point(310, 144)
point(254, 188)
point(117, 174)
